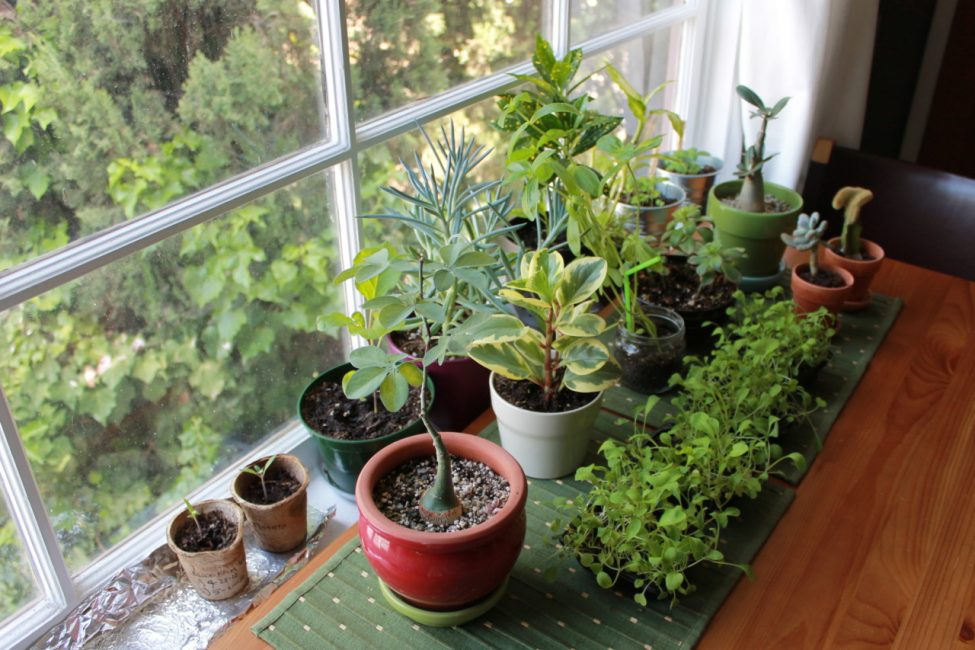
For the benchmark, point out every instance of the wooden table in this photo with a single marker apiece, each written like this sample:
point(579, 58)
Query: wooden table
point(878, 548)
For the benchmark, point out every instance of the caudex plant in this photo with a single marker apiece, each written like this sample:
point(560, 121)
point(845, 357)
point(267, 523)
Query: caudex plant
point(850, 200)
point(751, 197)
point(567, 352)
point(809, 230)
point(260, 472)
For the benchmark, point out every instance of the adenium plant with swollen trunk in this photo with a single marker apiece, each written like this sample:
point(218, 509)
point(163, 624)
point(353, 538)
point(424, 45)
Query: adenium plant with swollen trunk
point(809, 230)
point(566, 353)
point(850, 200)
point(752, 194)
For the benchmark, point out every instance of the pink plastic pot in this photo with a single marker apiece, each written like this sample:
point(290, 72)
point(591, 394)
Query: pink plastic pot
point(462, 391)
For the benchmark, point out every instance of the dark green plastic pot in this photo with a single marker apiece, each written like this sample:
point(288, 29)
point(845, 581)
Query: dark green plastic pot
point(758, 233)
point(342, 460)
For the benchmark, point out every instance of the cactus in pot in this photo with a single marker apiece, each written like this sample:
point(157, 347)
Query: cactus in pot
point(850, 200)
point(814, 286)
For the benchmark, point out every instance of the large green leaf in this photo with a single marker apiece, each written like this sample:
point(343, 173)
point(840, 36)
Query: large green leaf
point(369, 355)
point(585, 356)
point(364, 382)
point(393, 392)
point(593, 382)
point(502, 358)
point(573, 324)
point(499, 328)
point(581, 279)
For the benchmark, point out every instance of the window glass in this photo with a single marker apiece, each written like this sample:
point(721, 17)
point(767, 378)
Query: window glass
point(646, 63)
point(133, 385)
point(16, 584)
point(109, 109)
point(590, 18)
point(405, 50)
point(382, 165)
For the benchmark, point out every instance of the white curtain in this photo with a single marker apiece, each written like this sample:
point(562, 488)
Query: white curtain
point(818, 52)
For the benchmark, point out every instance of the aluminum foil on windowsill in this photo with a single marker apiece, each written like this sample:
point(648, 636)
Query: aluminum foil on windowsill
point(151, 605)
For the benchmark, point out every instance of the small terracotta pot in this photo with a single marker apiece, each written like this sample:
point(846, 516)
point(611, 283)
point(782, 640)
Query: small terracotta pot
point(809, 297)
point(861, 270)
point(216, 575)
point(280, 526)
point(442, 571)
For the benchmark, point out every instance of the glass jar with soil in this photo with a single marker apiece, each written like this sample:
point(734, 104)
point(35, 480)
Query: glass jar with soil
point(648, 361)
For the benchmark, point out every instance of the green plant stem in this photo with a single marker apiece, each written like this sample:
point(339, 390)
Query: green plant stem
point(551, 365)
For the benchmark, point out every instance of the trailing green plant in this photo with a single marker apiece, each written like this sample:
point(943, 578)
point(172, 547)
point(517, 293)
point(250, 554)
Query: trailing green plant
point(658, 503)
point(260, 472)
point(851, 200)
point(809, 231)
point(567, 352)
point(751, 197)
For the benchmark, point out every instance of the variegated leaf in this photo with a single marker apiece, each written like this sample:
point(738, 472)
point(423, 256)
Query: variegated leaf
point(585, 356)
point(581, 279)
point(594, 382)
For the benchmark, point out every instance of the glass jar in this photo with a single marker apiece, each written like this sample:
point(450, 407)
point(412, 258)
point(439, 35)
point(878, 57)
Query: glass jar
point(647, 362)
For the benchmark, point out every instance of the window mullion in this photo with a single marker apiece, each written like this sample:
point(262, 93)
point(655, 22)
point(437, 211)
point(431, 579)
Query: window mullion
point(29, 514)
point(345, 186)
point(691, 71)
point(560, 14)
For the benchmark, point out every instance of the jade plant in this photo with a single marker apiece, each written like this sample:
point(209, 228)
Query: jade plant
point(384, 376)
point(850, 200)
point(809, 230)
point(567, 352)
point(751, 197)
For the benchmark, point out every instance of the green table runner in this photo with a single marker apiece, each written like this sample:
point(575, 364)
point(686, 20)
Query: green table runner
point(340, 606)
point(854, 346)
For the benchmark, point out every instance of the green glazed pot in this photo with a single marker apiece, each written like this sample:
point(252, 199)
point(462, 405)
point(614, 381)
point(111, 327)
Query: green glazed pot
point(342, 460)
point(758, 233)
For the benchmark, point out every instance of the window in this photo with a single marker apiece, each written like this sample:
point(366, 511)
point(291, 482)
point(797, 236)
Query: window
point(179, 185)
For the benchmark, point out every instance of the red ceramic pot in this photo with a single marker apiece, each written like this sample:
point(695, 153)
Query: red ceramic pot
point(861, 270)
point(809, 297)
point(462, 391)
point(442, 571)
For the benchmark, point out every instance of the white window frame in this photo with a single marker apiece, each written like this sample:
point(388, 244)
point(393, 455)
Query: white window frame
point(59, 591)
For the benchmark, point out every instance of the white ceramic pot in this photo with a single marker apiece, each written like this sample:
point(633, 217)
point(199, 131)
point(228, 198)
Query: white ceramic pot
point(547, 445)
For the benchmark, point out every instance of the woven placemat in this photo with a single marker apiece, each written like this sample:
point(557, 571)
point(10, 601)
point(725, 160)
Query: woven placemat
point(340, 606)
point(854, 346)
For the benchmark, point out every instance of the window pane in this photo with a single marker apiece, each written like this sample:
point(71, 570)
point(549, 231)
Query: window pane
point(111, 109)
point(590, 18)
point(402, 51)
point(16, 584)
point(646, 63)
point(382, 165)
point(133, 385)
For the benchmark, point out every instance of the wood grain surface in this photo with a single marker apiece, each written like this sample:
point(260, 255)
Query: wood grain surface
point(878, 548)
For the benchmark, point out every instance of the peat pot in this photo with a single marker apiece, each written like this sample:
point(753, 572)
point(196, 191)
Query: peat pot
point(220, 574)
point(280, 526)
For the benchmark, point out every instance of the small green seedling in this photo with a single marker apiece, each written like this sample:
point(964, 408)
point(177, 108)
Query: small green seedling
point(259, 472)
point(629, 299)
point(194, 514)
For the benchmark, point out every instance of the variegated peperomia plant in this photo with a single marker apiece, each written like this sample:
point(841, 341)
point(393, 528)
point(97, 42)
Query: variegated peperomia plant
point(567, 352)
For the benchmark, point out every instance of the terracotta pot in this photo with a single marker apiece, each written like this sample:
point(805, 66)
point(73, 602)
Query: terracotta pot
point(861, 270)
point(279, 526)
point(342, 460)
point(216, 575)
point(442, 571)
point(809, 297)
point(462, 391)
